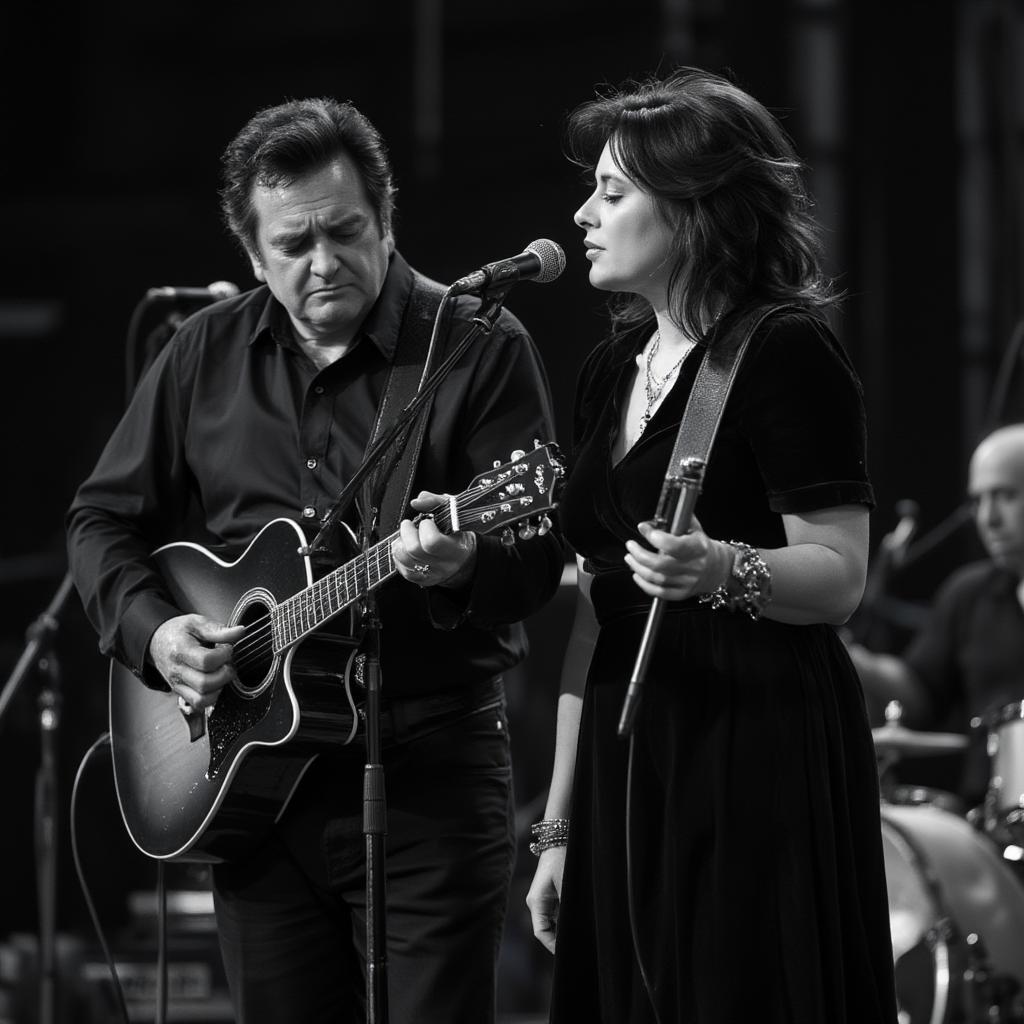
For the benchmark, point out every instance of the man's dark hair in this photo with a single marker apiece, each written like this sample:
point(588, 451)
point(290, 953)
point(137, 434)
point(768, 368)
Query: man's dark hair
point(286, 142)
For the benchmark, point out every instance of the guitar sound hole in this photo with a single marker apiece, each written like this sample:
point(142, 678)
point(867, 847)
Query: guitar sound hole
point(254, 658)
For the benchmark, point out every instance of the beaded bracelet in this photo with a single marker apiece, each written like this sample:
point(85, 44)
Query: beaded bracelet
point(548, 833)
point(751, 572)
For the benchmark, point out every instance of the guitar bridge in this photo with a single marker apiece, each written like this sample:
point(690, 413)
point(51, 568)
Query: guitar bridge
point(196, 722)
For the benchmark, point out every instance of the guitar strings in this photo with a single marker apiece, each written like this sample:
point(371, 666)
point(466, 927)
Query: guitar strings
point(254, 645)
point(257, 644)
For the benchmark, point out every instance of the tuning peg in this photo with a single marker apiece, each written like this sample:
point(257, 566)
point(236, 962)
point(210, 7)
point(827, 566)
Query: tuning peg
point(497, 463)
point(508, 538)
point(545, 526)
point(527, 531)
point(517, 455)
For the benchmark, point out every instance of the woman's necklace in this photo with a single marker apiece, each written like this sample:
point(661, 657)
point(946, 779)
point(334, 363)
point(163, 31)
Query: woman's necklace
point(653, 387)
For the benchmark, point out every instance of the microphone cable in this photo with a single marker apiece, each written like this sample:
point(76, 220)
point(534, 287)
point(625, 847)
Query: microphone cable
point(161, 969)
point(102, 741)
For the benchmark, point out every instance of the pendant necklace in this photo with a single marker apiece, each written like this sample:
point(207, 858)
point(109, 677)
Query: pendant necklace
point(653, 387)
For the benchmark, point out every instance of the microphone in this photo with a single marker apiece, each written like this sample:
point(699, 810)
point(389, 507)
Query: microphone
point(213, 292)
point(542, 261)
point(897, 543)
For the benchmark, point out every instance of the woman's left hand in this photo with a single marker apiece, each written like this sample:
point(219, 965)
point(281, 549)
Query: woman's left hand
point(678, 567)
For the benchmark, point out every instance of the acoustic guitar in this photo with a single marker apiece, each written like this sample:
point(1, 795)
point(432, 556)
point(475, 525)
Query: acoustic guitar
point(196, 786)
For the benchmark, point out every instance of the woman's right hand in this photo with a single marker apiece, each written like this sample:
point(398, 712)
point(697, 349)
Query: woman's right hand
point(545, 895)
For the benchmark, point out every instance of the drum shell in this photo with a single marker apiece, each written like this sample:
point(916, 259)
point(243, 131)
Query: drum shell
point(1004, 806)
point(946, 881)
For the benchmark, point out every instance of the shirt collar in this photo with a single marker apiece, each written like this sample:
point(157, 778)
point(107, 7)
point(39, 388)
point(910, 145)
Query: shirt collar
point(383, 321)
point(380, 326)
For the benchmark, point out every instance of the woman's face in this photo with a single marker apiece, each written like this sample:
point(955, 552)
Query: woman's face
point(628, 242)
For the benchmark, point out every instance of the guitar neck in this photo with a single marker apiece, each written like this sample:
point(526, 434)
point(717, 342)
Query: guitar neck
point(309, 609)
point(522, 488)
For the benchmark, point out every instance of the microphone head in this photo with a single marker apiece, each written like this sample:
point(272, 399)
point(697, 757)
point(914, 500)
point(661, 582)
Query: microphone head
point(552, 259)
point(223, 289)
point(907, 508)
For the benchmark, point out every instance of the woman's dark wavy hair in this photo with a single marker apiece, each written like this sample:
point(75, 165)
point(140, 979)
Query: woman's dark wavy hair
point(280, 144)
point(724, 174)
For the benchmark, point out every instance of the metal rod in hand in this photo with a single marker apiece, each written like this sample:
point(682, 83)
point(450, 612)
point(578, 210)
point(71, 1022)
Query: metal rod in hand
point(679, 495)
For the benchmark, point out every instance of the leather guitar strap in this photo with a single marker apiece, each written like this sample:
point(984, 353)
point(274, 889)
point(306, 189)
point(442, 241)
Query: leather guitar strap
point(382, 512)
point(715, 376)
point(384, 495)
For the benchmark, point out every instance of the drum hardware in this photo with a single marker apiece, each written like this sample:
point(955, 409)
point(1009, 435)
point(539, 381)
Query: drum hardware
point(894, 740)
point(988, 995)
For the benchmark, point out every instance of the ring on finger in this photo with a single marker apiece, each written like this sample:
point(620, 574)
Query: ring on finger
point(421, 568)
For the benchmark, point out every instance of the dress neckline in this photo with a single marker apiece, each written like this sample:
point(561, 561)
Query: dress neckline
point(628, 375)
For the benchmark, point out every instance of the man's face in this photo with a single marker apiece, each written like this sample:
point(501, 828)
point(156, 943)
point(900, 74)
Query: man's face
point(320, 250)
point(996, 486)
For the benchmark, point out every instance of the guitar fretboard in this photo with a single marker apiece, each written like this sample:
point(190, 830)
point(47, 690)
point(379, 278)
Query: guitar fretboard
point(507, 485)
point(299, 615)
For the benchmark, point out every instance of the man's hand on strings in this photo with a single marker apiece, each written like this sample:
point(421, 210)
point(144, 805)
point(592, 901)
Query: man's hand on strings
point(193, 653)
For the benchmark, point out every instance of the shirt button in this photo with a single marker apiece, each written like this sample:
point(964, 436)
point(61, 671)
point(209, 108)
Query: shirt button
point(310, 463)
point(319, 389)
point(308, 512)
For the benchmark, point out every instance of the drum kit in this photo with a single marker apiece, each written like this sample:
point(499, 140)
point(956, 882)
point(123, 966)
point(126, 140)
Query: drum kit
point(956, 903)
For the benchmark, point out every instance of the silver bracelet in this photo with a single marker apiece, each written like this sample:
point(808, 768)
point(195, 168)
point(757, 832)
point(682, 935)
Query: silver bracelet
point(749, 588)
point(548, 833)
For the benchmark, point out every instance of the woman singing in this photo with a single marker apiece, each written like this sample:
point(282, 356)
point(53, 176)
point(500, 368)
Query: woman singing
point(729, 869)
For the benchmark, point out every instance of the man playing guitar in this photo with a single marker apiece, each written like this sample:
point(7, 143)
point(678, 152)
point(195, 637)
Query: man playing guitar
point(260, 409)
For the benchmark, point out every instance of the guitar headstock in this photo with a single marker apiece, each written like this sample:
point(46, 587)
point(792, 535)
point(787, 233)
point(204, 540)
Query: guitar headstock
point(522, 490)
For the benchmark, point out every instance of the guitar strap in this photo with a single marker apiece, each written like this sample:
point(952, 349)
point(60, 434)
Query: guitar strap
point(384, 495)
point(382, 512)
point(715, 376)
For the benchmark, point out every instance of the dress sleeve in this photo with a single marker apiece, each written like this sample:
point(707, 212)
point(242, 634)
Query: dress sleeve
point(803, 415)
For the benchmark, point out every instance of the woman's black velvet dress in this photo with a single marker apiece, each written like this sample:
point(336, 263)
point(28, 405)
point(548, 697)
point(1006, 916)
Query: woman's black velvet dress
point(756, 873)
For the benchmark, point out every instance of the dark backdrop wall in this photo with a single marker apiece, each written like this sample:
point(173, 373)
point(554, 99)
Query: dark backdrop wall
point(114, 116)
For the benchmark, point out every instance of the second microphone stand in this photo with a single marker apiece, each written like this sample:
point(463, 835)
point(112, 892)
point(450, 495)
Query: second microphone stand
point(40, 656)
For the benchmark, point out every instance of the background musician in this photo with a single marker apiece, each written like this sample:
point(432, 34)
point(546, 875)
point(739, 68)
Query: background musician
point(968, 660)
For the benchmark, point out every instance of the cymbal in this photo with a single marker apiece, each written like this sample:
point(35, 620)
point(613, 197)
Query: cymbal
point(893, 738)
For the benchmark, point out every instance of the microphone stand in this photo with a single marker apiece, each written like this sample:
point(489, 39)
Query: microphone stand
point(39, 654)
point(375, 825)
point(374, 800)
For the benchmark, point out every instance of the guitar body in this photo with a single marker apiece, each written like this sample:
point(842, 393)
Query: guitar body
point(208, 788)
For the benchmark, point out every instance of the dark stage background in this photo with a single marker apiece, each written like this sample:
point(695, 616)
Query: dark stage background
point(908, 112)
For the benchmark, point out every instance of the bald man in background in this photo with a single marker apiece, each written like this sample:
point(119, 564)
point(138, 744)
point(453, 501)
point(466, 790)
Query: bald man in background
point(968, 660)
